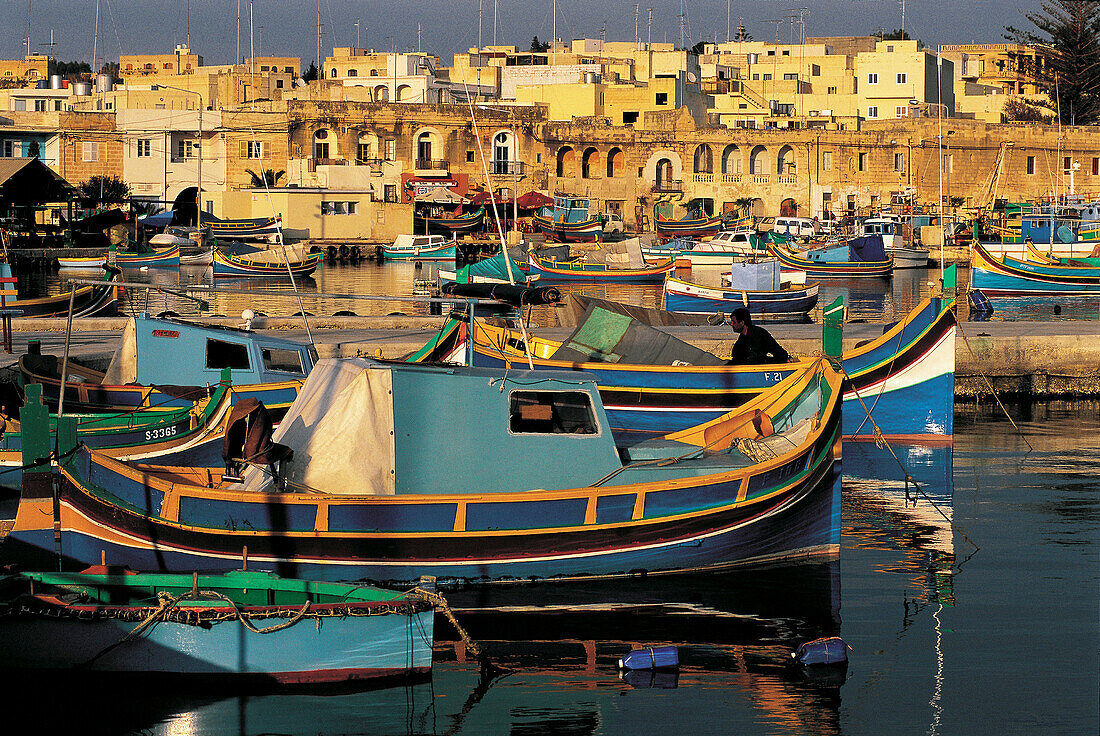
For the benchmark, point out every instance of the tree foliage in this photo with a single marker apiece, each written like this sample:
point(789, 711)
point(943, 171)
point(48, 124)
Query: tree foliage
point(539, 46)
point(74, 71)
point(898, 34)
point(311, 73)
point(741, 34)
point(1022, 111)
point(104, 190)
point(265, 177)
point(1070, 72)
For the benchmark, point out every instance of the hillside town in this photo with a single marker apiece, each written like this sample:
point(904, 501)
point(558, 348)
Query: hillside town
point(821, 127)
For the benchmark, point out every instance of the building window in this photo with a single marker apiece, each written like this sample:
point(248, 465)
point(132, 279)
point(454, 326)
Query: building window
point(278, 84)
point(144, 148)
point(629, 118)
point(1031, 164)
point(40, 106)
point(265, 68)
point(790, 75)
point(662, 98)
point(333, 74)
point(827, 160)
point(786, 52)
point(185, 149)
point(255, 149)
point(469, 157)
point(830, 90)
point(815, 70)
point(320, 149)
point(1095, 166)
point(391, 150)
point(362, 152)
point(8, 149)
point(767, 77)
point(57, 104)
point(389, 192)
point(901, 77)
point(374, 72)
point(353, 72)
point(90, 151)
point(339, 208)
point(538, 159)
point(872, 112)
point(862, 162)
point(872, 78)
point(289, 70)
point(1066, 164)
point(899, 162)
point(901, 111)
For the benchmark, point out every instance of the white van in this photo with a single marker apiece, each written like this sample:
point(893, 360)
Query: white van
point(796, 227)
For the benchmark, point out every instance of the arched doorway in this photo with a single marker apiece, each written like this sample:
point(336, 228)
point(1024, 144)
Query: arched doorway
point(788, 208)
point(704, 160)
point(731, 159)
point(664, 171)
point(616, 163)
point(758, 161)
point(590, 163)
point(567, 160)
point(785, 163)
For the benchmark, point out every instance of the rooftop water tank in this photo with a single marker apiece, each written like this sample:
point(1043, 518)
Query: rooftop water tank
point(82, 88)
point(590, 77)
point(104, 83)
point(55, 81)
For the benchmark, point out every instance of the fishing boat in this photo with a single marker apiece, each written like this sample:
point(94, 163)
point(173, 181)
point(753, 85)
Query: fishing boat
point(892, 232)
point(865, 256)
point(146, 370)
point(420, 248)
point(398, 496)
point(459, 223)
point(569, 221)
point(687, 226)
point(498, 269)
point(191, 435)
point(93, 300)
point(724, 248)
point(789, 299)
point(82, 263)
point(653, 383)
point(240, 628)
point(266, 228)
point(274, 263)
point(167, 258)
point(1007, 276)
point(551, 269)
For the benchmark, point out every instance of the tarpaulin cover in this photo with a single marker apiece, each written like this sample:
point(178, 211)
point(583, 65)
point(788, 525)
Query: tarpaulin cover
point(341, 430)
point(867, 248)
point(608, 336)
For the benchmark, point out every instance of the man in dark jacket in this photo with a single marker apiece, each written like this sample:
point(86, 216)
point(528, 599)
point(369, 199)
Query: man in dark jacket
point(754, 344)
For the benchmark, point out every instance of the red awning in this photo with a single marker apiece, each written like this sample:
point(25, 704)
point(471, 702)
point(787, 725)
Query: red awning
point(534, 200)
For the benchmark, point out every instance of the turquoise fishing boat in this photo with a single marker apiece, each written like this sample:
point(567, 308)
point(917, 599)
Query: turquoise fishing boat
point(245, 629)
point(146, 370)
point(569, 221)
point(553, 270)
point(863, 256)
point(423, 481)
point(1009, 276)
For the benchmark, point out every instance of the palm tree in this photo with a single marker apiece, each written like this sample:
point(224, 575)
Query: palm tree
point(744, 204)
point(104, 190)
point(266, 177)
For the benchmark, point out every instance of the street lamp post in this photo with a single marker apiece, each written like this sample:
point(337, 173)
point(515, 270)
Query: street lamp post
point(198, 193)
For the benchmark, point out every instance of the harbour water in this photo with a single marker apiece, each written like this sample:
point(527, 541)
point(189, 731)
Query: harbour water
point(970, 605)
point(873, 300)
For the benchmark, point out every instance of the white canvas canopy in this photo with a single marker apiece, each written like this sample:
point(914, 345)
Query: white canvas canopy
point(623, 254)
point(441, 195)
point(294, 254)
point(341, 430)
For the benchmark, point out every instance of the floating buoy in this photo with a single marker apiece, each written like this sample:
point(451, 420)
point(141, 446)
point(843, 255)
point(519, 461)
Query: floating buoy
point(830, 650)
point(979, 302)
point(651, 658)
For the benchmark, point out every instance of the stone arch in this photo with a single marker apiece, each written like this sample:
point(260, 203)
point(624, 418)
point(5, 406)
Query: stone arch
point(758, 160)
point(428, 144)
point(590, 163)
point(367, 147)
point(404, 93)
point(785, 161)
point(381, 93)
point(664, 173)
point(703, 159)
point(731, 159)
point(788, 208)
point(566, 161)
point(671, 166)
point(616, 163)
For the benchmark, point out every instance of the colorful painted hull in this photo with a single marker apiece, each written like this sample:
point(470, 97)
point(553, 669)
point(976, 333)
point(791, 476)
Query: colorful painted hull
point(584, 231)
point(906, 379)
point(700, 512)
point(838, 269)
point(90, 263)
point(231, 265)
point(89, 301)
point(441, 253)
point(684, 296)
point(696, 227)
point(346, 632)
point(261, 227)
point(462, 223)
point(168, 258)
point(1011, 277)
point(551, 270)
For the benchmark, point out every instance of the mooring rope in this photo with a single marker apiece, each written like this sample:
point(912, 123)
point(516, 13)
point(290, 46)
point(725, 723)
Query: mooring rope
point(993, 391)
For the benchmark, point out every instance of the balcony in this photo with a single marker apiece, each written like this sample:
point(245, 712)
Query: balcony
point(703, 178)
point(668, 186)
point(507, 168)
point(432, 167)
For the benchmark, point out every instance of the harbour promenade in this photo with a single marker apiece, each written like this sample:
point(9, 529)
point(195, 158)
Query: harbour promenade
point(1028, 360)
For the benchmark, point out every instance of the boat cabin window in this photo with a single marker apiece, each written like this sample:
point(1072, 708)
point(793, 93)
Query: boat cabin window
point(551, 412)
point(221, 354)
point(279, 359)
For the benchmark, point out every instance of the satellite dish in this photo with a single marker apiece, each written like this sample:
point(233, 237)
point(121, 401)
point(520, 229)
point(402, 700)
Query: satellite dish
point(692, 77)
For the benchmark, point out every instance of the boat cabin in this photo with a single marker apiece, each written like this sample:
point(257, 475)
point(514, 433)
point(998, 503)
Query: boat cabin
point(166, 352)
point(570, 209)
point(420, 242)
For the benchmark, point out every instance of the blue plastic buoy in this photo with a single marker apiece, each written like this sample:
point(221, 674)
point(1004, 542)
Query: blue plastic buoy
point(830, 650)
point(651, 658)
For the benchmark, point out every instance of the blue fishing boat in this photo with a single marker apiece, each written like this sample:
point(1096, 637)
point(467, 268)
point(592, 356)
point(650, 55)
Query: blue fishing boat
point(423, 481)
point(277, 263)
point(553, 270)
point(146, 370)
point(1009, 276)
point(420, 248)
point(652, 383)
point(569, 221)
point(863, 256)
point(237, 229)
point(238, 629)
point(690, 298)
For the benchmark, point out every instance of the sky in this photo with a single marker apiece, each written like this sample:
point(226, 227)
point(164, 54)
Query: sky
point(289, 27)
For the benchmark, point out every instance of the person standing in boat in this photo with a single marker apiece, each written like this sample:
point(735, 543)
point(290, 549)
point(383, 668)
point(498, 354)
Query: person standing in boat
point(754, 345)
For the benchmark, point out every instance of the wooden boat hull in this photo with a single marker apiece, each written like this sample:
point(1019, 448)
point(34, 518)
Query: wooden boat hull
point(686, 297)
point(449, 225)
point(168, 258)
point(334, 642)
point(839, 269)
point(584, 231)
point(906, 379)
point(1011, 277)
point(99, 300)
point(231, 265)
point(261, 227)
point(89, 263)
point(443, 253)
point(551, 270)
point(776, 510)
point(696, 227)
